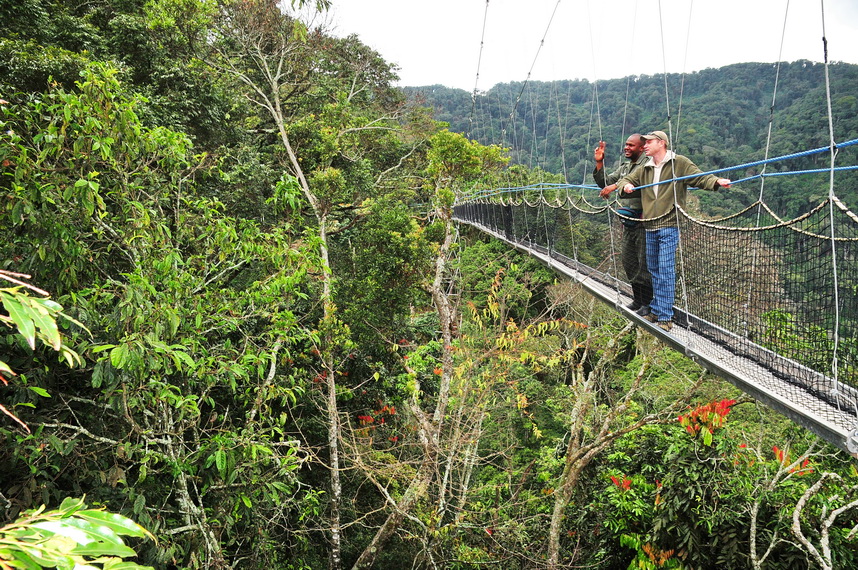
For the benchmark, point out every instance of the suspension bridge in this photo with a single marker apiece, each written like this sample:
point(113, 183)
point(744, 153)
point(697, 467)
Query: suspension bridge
point(771, 305)
point(768, 303)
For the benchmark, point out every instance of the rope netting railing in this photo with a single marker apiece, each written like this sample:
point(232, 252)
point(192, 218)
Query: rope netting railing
point(777, 311)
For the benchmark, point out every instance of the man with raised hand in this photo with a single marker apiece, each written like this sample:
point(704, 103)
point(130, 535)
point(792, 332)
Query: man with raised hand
point(659, 212)
point(633, 244)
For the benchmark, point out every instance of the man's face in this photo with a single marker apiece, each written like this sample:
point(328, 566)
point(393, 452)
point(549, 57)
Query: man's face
point(633, 148)
point(652, 146)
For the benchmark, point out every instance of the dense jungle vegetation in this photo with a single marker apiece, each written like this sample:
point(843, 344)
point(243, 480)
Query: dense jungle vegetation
point(275, 350)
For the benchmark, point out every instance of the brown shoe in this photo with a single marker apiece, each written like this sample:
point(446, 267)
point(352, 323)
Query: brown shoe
point(666, 325)
point(651, 318)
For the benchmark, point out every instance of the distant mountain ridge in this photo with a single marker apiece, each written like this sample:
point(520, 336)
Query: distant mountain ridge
point(719, 117)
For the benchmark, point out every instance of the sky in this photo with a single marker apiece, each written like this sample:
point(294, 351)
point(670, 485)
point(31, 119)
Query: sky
point(475, 44)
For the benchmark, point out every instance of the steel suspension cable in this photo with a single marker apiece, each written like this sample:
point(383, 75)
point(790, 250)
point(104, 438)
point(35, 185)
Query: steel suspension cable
point(595, 74)
point(772, 108)
point(674, 137)
point(682, 80)
point(561, 124)
point(671, 137)
point(831, 199)
point(477, 79)
point(629, 80)
point(535, 58)
point(598, 114)
point(755, 252)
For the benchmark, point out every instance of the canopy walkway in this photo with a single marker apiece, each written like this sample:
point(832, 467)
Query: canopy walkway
point(767, 303)
point(770, 305)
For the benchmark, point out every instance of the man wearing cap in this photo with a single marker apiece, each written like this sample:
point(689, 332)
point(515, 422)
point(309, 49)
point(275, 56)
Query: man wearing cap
point(659, 201)
point(633, 245)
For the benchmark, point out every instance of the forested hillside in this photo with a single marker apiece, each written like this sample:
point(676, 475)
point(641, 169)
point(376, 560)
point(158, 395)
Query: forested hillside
point(274, 349)
point(720, 118)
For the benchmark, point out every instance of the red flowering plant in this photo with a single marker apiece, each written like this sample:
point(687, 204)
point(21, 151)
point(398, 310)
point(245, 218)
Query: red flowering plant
point(629, 500)
point(783, 457)
point(378, 419)
point(701, 422)
point(628, 509)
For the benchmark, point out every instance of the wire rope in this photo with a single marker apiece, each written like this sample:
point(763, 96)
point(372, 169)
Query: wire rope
point(561, 128)
point(755, 251)
point(595, 74)
point(831, 196)
point(682, 79)
point(533, 63)
point(674, 181)
point(629, 79)
point(674, 138)
point(477, 79)
point(595, 108)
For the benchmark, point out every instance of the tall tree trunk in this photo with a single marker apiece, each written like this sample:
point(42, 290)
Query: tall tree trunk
point(331, 400)
point(327, 350)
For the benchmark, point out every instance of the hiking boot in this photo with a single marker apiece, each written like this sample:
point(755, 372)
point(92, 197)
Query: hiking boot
point(665, 325)
point(643, 311)
point(651, 318)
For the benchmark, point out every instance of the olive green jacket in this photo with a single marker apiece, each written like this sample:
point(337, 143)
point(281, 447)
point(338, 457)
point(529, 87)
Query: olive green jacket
point(658, 210)
point(632, 200)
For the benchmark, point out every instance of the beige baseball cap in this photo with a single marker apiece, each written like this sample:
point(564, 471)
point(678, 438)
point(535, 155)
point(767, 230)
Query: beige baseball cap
point(660, 135)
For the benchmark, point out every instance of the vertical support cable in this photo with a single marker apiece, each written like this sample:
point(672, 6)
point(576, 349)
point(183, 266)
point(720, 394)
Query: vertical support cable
point(629, 80)
point(572, 239)
point(533, 63)
point(477, 79)
point(755, 255)
point(674, 135)
point(595, 75)
point(664, 67)
point(549, 237)
point(670, 135)
point(831, 197)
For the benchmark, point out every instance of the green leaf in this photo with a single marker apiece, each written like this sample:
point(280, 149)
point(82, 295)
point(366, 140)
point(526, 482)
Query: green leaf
point(5, 368)
point(104, 549)
point(174, 322)
point(116, 564)
point(115, 522)
point(139, 503)
point(21, 559)
point(21, 317)
point(46, 324)
point(119, 356)
point(220, 461)
point(70, 505)
point(40, 391)
point(185, 357)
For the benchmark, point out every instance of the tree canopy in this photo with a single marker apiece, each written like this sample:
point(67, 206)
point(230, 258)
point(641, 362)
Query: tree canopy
point(273, 347)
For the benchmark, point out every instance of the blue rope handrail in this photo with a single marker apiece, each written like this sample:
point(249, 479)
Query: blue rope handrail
point(545, 185)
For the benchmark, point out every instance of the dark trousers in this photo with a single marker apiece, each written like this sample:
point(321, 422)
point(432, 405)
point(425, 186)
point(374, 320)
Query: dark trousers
point(633, 253)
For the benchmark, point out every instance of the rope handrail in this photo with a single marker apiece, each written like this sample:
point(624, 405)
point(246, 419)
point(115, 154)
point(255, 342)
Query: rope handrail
point(795, 172)
point(811, 152)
